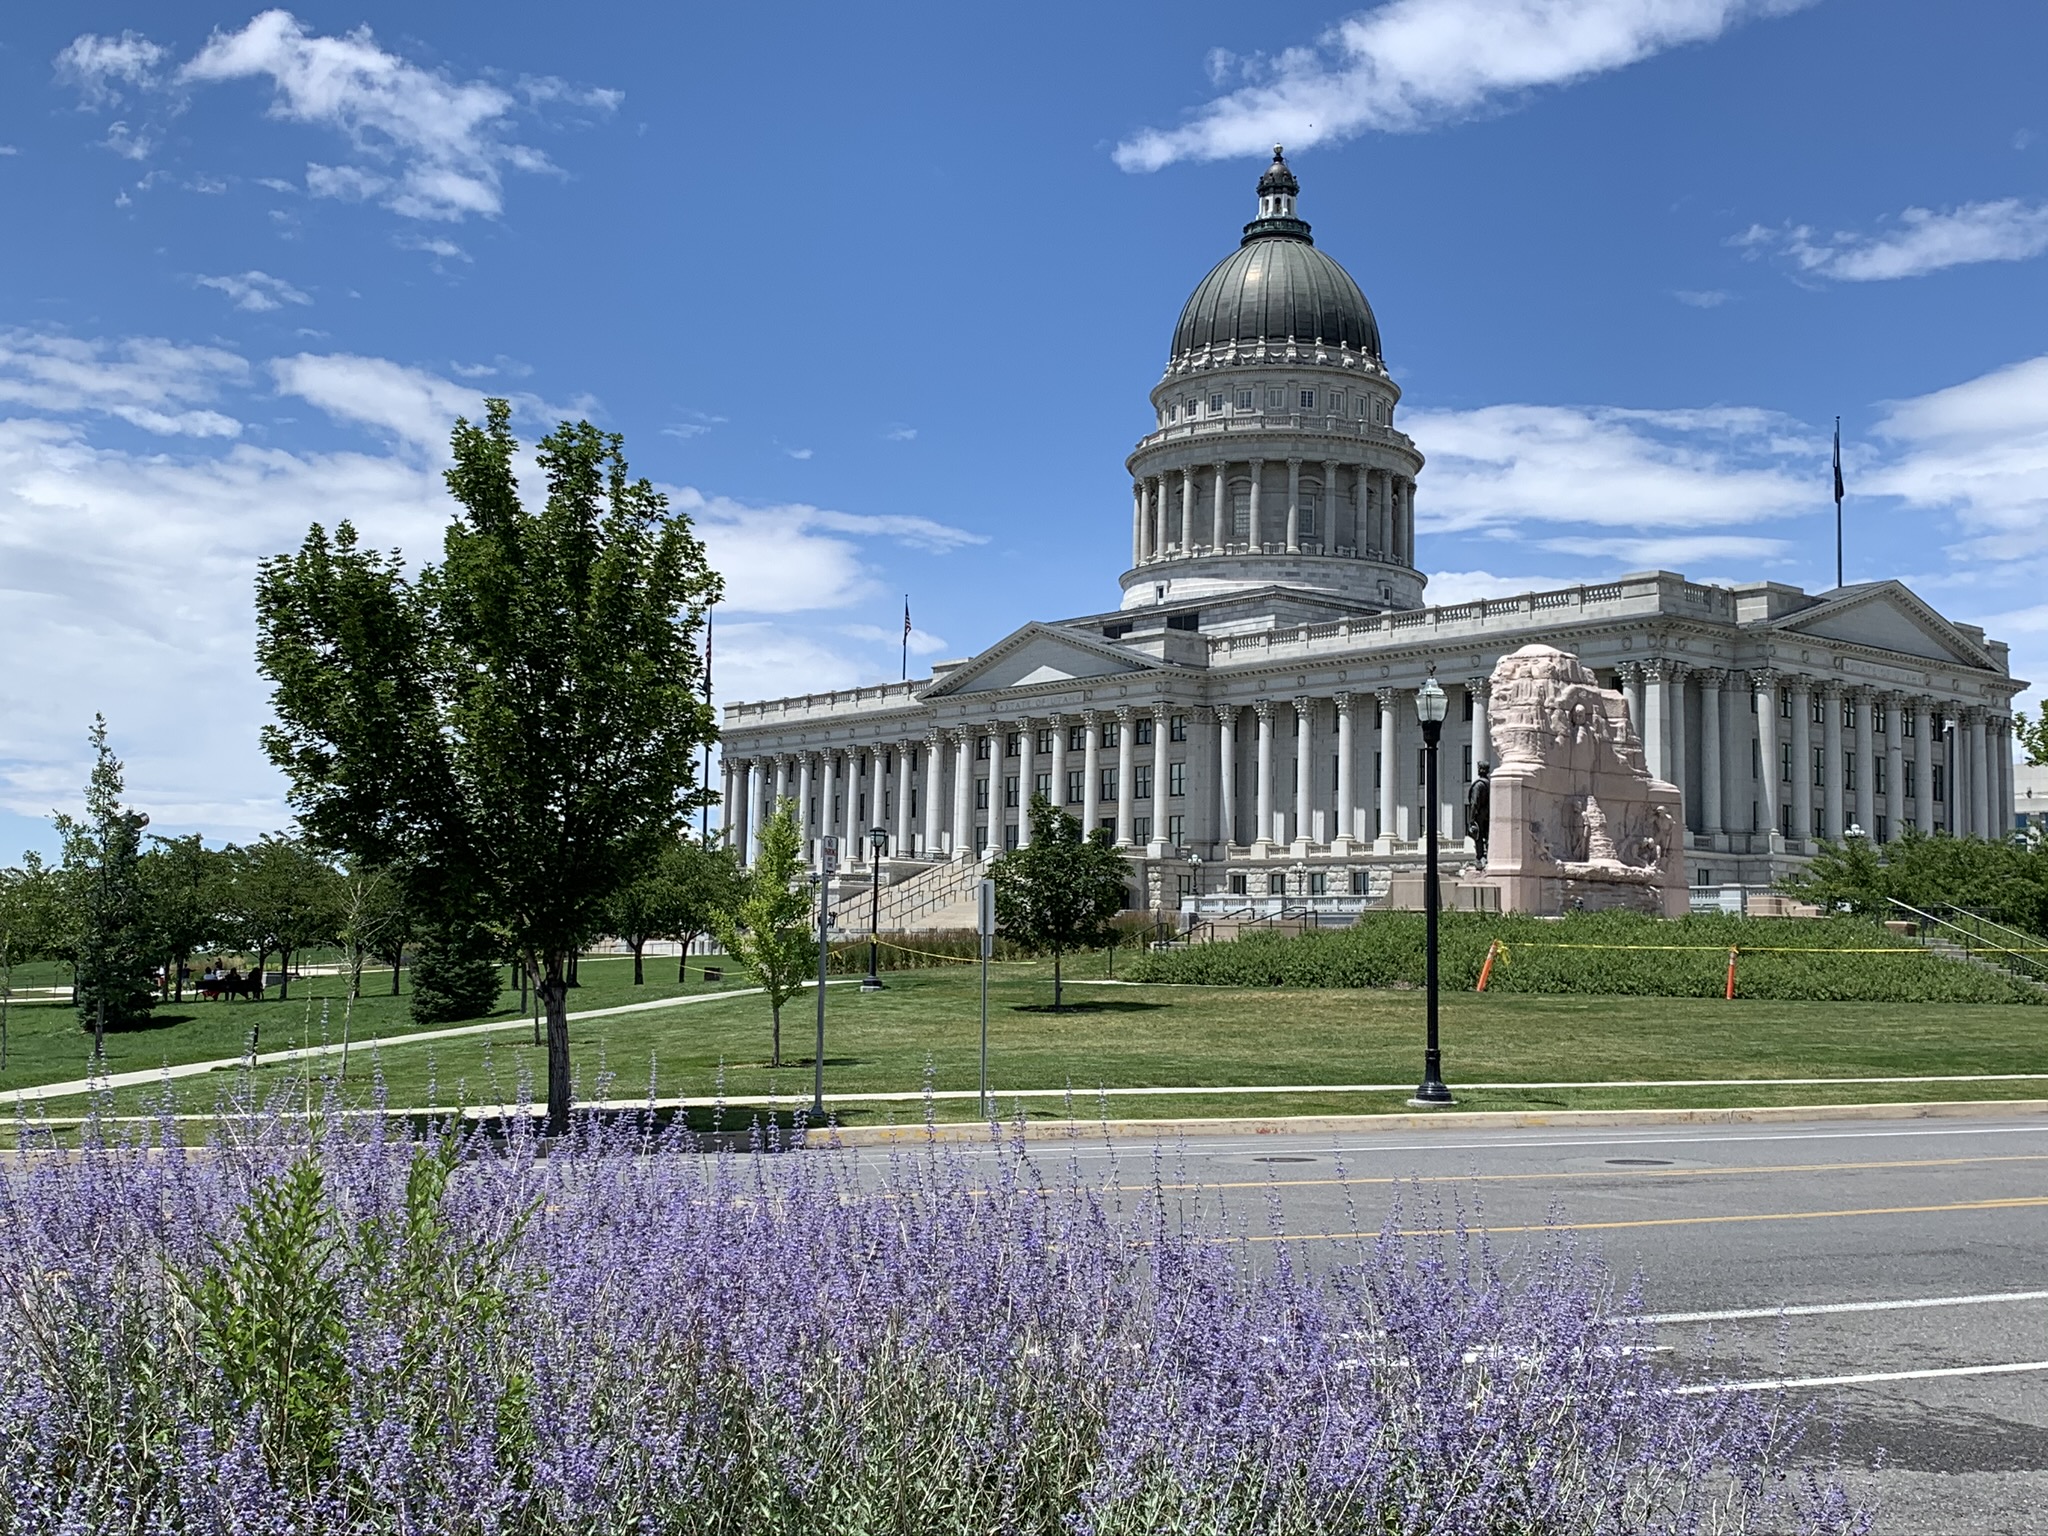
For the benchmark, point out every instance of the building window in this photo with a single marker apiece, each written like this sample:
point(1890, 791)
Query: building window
point(1141, 781)
point(1276, 399)
point(1176, 727)
point(1361, 882)
point(1014, 747)
point(983, 748)
point(1077, 738)
point(1906, 772)
point(1309, 506)
point(1376, 759)
point(1108, 824)
point(1075, 785)
point(1467, 776)
point(1337, 405)
point(1466, 694)
point(1940, 784)
point(1818, 830)
point(1884, 828)
point(1041, 743)
point(1010, 793)
point(1173, 413)
point(1849, 772)
point(1244, 399)
point(1906, 724)
point(1010, 835)
point(1877, 775)
point(1237, 885)
point(1276, 885)
point(1144, 732)
point(1364, 407)
point(1849, 713)
point(1042, 786)
point(1318, 883)
point(1141, 829)
point(1108, 784)
point(1820, 767)
point(1215, 405)
point(1820, 709)
point(1112, 733)
point(1176, 830)
point(981, 794)
point(1308, 399)
point(1176, 779)
point(1880, 719)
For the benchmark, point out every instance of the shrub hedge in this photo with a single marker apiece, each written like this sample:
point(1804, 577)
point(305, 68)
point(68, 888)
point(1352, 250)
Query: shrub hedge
point(1779, 960)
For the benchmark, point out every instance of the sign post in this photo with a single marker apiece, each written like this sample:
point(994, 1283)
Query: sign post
point(985, 925)
point(828, 864)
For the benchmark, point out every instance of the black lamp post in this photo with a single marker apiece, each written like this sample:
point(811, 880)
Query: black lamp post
point(1430, 706)
point(878, 844)
point(1194, 888)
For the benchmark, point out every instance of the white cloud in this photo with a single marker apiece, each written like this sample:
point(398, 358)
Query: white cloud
point(1677, 552)
point(755, 659)
point(1701, 298)
point(1409, 64)
point(795, 558)
point(799, 453)
point(256, 291)
point(439, 248)
point(1980, 450)
point(150, 383)
point(130, 144)
point(1470, 586)
point(1923, 241)
point(98, 66)
point(8, 149)
point(414, 406)
point(1537, 469)
point(898, 433)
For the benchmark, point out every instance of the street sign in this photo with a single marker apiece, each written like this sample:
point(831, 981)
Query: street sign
point(828, 854)
point(985, 917)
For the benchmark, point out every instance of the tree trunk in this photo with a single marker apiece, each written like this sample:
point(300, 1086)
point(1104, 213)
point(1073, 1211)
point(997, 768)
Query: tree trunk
point(775, 1048)
point(639, 977)
point(554, 994)
point(397, 964)
point(683, 964)
point(178, 975)
point(284, 975)
point(1055, 981)
point(570, 977)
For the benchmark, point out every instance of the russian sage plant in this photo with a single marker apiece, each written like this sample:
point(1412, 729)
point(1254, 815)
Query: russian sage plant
point(330, 1328)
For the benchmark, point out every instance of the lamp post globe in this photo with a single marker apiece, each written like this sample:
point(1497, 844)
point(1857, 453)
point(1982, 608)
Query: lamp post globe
point(878, 845)
point(1430, 708)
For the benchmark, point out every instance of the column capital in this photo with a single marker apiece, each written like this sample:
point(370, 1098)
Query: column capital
point(1386, 696)
point(1303, 703)
point(1712, 677)
point(1342, 699)
point(960, 735)
point(1263, 708)
point(1161, 708)
point(1830, 688)
point(1480, 688)
point(1053, 720)
point(1655, 669)
point(1256, 464)
point(1764, 680)
point(1226, 714)
point(1124, 713)
point(1221, 466)
point(1090, 718)
point(1678, 671)
point(933, 735)
point(1295, 463)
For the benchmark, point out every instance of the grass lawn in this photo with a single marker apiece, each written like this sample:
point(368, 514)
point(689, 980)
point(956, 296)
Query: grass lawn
point(1173, 1036)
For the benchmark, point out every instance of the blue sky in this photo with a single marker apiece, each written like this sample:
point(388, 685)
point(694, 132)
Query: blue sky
point(878, 293)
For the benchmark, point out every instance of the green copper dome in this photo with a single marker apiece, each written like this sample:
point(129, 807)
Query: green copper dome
point(1276, 286)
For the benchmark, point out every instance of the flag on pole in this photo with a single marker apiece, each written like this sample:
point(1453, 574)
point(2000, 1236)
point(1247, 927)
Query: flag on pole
point(1838, 461)
point(905, 675)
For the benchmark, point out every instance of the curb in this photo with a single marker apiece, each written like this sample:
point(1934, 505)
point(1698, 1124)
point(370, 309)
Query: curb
point(1477, 1120)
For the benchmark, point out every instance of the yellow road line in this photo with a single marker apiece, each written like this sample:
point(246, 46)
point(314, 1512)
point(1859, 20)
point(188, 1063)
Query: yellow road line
point(1606, 1173)
point(2013, 1204)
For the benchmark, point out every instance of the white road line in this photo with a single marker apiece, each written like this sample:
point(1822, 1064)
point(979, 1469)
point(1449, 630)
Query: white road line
point(1778, 1383)
point(1830, 1308)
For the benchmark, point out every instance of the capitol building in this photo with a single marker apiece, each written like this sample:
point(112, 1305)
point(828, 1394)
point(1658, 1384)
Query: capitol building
point(1243, 721)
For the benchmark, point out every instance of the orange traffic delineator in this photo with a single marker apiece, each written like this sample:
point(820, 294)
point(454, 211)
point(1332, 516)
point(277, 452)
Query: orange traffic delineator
point(1730, 994)
point(1486, 969)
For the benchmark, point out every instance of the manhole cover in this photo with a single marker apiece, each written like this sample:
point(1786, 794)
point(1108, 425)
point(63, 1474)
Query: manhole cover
point(1640, 1162)
point(1283, 1159)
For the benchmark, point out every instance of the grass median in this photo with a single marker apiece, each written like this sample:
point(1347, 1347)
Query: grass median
point(925, 1028)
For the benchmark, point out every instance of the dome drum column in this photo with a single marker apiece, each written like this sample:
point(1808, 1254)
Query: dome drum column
point(1188, 500)
point(1294, 506)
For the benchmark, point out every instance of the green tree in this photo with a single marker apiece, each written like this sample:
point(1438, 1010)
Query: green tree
point(102, 862)
point(20, 940)
point(281, 897)
point(186, 882)
point(369, 908)
point(675, 898)
point(2032, 735)
point(514, 732)
point(455, 971)
point(769, 928)
point(1061, 892)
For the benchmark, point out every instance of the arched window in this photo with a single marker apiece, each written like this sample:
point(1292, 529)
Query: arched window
point(1311, 512)
point(1240, 511)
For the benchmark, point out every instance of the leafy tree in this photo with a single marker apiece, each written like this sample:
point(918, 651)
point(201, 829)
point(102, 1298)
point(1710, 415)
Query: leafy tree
point(49, 914)
point(369, 908)
point(18, 941)
point(455, 971)
point(1061, 892)
point(769, 929)
point(2032, 735)
point(675, 898)
point(186, 883)
point(282, 897)
point(102, 862)
point(2003, 881)
point(514, 732)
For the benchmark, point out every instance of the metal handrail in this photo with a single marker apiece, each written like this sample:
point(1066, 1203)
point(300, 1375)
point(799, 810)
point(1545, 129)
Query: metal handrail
point(1975, 943)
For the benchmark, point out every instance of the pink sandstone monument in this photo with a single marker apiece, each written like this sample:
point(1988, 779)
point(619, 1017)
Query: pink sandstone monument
point(1577, 822)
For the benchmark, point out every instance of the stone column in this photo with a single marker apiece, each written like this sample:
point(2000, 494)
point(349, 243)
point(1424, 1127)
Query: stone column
point(1126, 787)
point(997, 772)
point(929, 794)
point(1481, 689)
point(1226, 774)
point(1405, 503)
point(1221, 521)
point(1630, 675)
point(1383, 511)
point(1158, 517)
point(1866, 763)
point(1189, 500)
point(1894, 766)
point(1058, 796)
point(1711, 679)
point(1262, 796)
point(1138, 523)
point(2003, 759)
point(1832, 809)
point(1980, 776)
point(1390, 769)
point(828, 789)
point(1923, 764)
point(778, 787)
point(1162, 803)
point(1255, 535)
point(803, 809)
point(1328, 535)
point(1764, 688)
point(1802, 761)
point(1304, 770)
point(1091, 770)
point(853, 841)
point(727, 771)
point(1294, 506)
point(1656, 712)
point(963, 793)
point(1347, 784)
point(906, 752)
point(1676, 757)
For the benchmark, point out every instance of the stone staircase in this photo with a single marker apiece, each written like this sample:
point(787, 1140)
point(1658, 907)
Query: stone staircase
point(928, 899)
point(1948, 949)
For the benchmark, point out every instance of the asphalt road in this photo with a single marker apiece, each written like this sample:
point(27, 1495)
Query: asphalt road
point(1910, 1263)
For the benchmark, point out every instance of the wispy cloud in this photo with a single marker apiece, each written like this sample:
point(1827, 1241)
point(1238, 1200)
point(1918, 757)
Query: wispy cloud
point(437, 246)
point(424, 143)
point(1979, 450)
point(1411, 64)
point(897, 432)
point(800, 453)
point(1923, 240)
point(150, 383)
point(692, 424)
point(1701, 298)
point(256, 291)
point(416, 407)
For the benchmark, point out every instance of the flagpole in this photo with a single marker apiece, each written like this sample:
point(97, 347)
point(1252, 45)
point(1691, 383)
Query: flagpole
point(904, 677)
point(704, 821)
point(1838, 501)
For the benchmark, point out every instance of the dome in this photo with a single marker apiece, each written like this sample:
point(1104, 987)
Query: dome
point(1276, 286)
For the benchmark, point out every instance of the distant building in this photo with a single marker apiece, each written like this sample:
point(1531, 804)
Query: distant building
point(2030, 798)
point(1243, 720)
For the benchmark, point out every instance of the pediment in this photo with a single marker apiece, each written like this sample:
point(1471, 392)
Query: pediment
point(1038, 653)
point(1889, 617)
